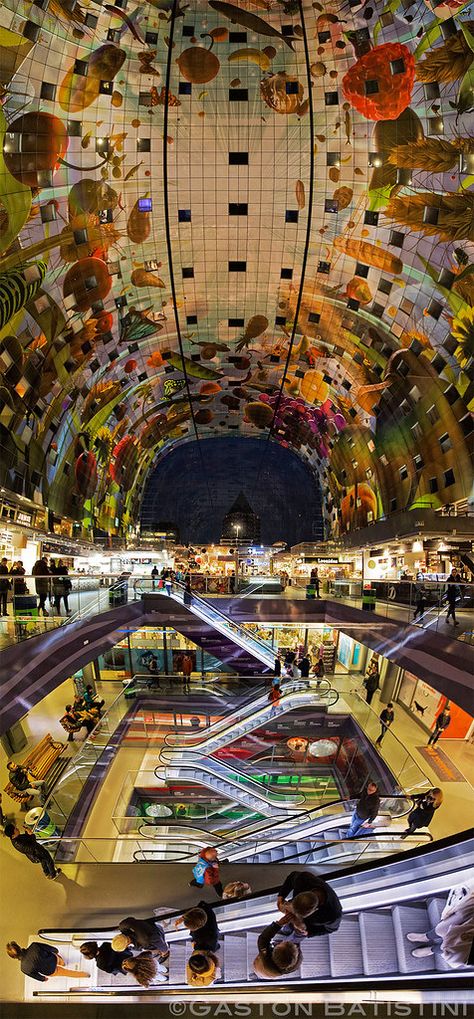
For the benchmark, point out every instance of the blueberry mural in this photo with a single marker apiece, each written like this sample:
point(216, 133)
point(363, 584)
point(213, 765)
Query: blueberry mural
point(252, 217)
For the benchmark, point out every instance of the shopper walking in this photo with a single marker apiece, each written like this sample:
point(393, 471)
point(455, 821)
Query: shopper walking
point(4, 586)
point(386, 718)
point(187, 667)
point(154, 578)
point(422, 813)
point(206, 871)
point(187, 594)
point(366, 810)
point(451, 597)
point(441, 723)
point(202, 969)
point(18, 583)
point(420, 601)
point(310, 905)
point(277, 667)
point(25, 842)
point(40, 961)
point(304, 665)
point(41, 573)
point(371, 683)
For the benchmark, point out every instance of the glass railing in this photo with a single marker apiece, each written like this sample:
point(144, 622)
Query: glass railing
point(38, 604)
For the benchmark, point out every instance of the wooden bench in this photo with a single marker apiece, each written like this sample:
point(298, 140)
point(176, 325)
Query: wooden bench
point(38, 763)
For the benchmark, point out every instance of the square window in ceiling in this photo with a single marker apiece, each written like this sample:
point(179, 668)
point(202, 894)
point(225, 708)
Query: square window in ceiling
point(90, 282)
point(403, 176)
point(191, 320)
point(121, 3)
point(438, 363)
point(435, 125)
point(106, 216)
point(143, 144)
point(371, 218)
point(74, 128)
point(236, 323)
point(353, 304)
point(331, 205)
point(430, 214)
point(188, 31)
point(286, 274)
point(314, 317)
point(449, 477)
point(80, 67)
point(435, 309)
point(184, 215)
point(238, 158)
point(48, 90)
point(448, 28)
point(113, 35)
point(151, 38)
point(238, 95)
point(291, 216)
point(145, 204)
point(237, 266)
point(433, 483)
point(292, 88)
point(377, 310)
point(397, 66)
point(333, 158)
point(185, 88)
point(188, 273)
point(385, 286)
point(237, 37)
point(238, 209)
point(371, 86)
point(280, 320)
point(102, 147)
point(121, 302)
point(106, 88)
point(324, 37)
point(287, 30)
point(144, 99)
point(324, 267)
point(431, 90)
point(31, 31)
point(331, 98)
point(48, 213)
point(446, 278)
point(80, 237)
point(397, 239)
point(362, 270)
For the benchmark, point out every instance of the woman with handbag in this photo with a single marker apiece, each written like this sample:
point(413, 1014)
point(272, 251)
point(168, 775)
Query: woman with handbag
point(206, 871)
point(453, 934)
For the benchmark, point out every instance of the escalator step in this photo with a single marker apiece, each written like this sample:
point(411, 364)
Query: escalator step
point(263, 858)
point(177, 963)
point(235, 957)
point(315, 961)
point(345, 950)
point(435, 908)
point(379, 951)
point(411, 920)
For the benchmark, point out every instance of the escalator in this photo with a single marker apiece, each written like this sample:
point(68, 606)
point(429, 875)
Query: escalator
point(252, 714)
point(212, 630)
point(382, 903)
point(313, 836)
point(232, 782)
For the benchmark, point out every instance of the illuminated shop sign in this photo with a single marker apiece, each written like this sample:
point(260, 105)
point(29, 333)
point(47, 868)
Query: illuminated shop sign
point(24, 518)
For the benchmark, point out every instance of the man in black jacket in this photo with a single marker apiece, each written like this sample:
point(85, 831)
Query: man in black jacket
point(145, 934)
point(313, 907)
point(386, 718)
point(26, 843)
point(4, 586)
point(366, 810)
point(105, 958)
point(201, 922)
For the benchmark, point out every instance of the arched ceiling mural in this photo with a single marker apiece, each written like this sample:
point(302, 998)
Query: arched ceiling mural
point(251, 217)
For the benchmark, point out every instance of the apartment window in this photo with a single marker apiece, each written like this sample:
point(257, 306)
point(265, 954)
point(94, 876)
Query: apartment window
point(445, 442)
point(403, 472)
point(449, 478)
point(433, 485)
point(432, 414)
point(418, 461)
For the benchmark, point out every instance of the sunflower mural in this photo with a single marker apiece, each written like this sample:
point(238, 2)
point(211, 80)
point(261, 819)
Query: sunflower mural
point(254, 215)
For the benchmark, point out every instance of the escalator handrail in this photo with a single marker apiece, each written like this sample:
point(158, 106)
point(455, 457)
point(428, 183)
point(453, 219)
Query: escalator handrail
point(212, 612)
point(299, 816)
point(319, 843)
point(436, 845)
point(204, 734)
